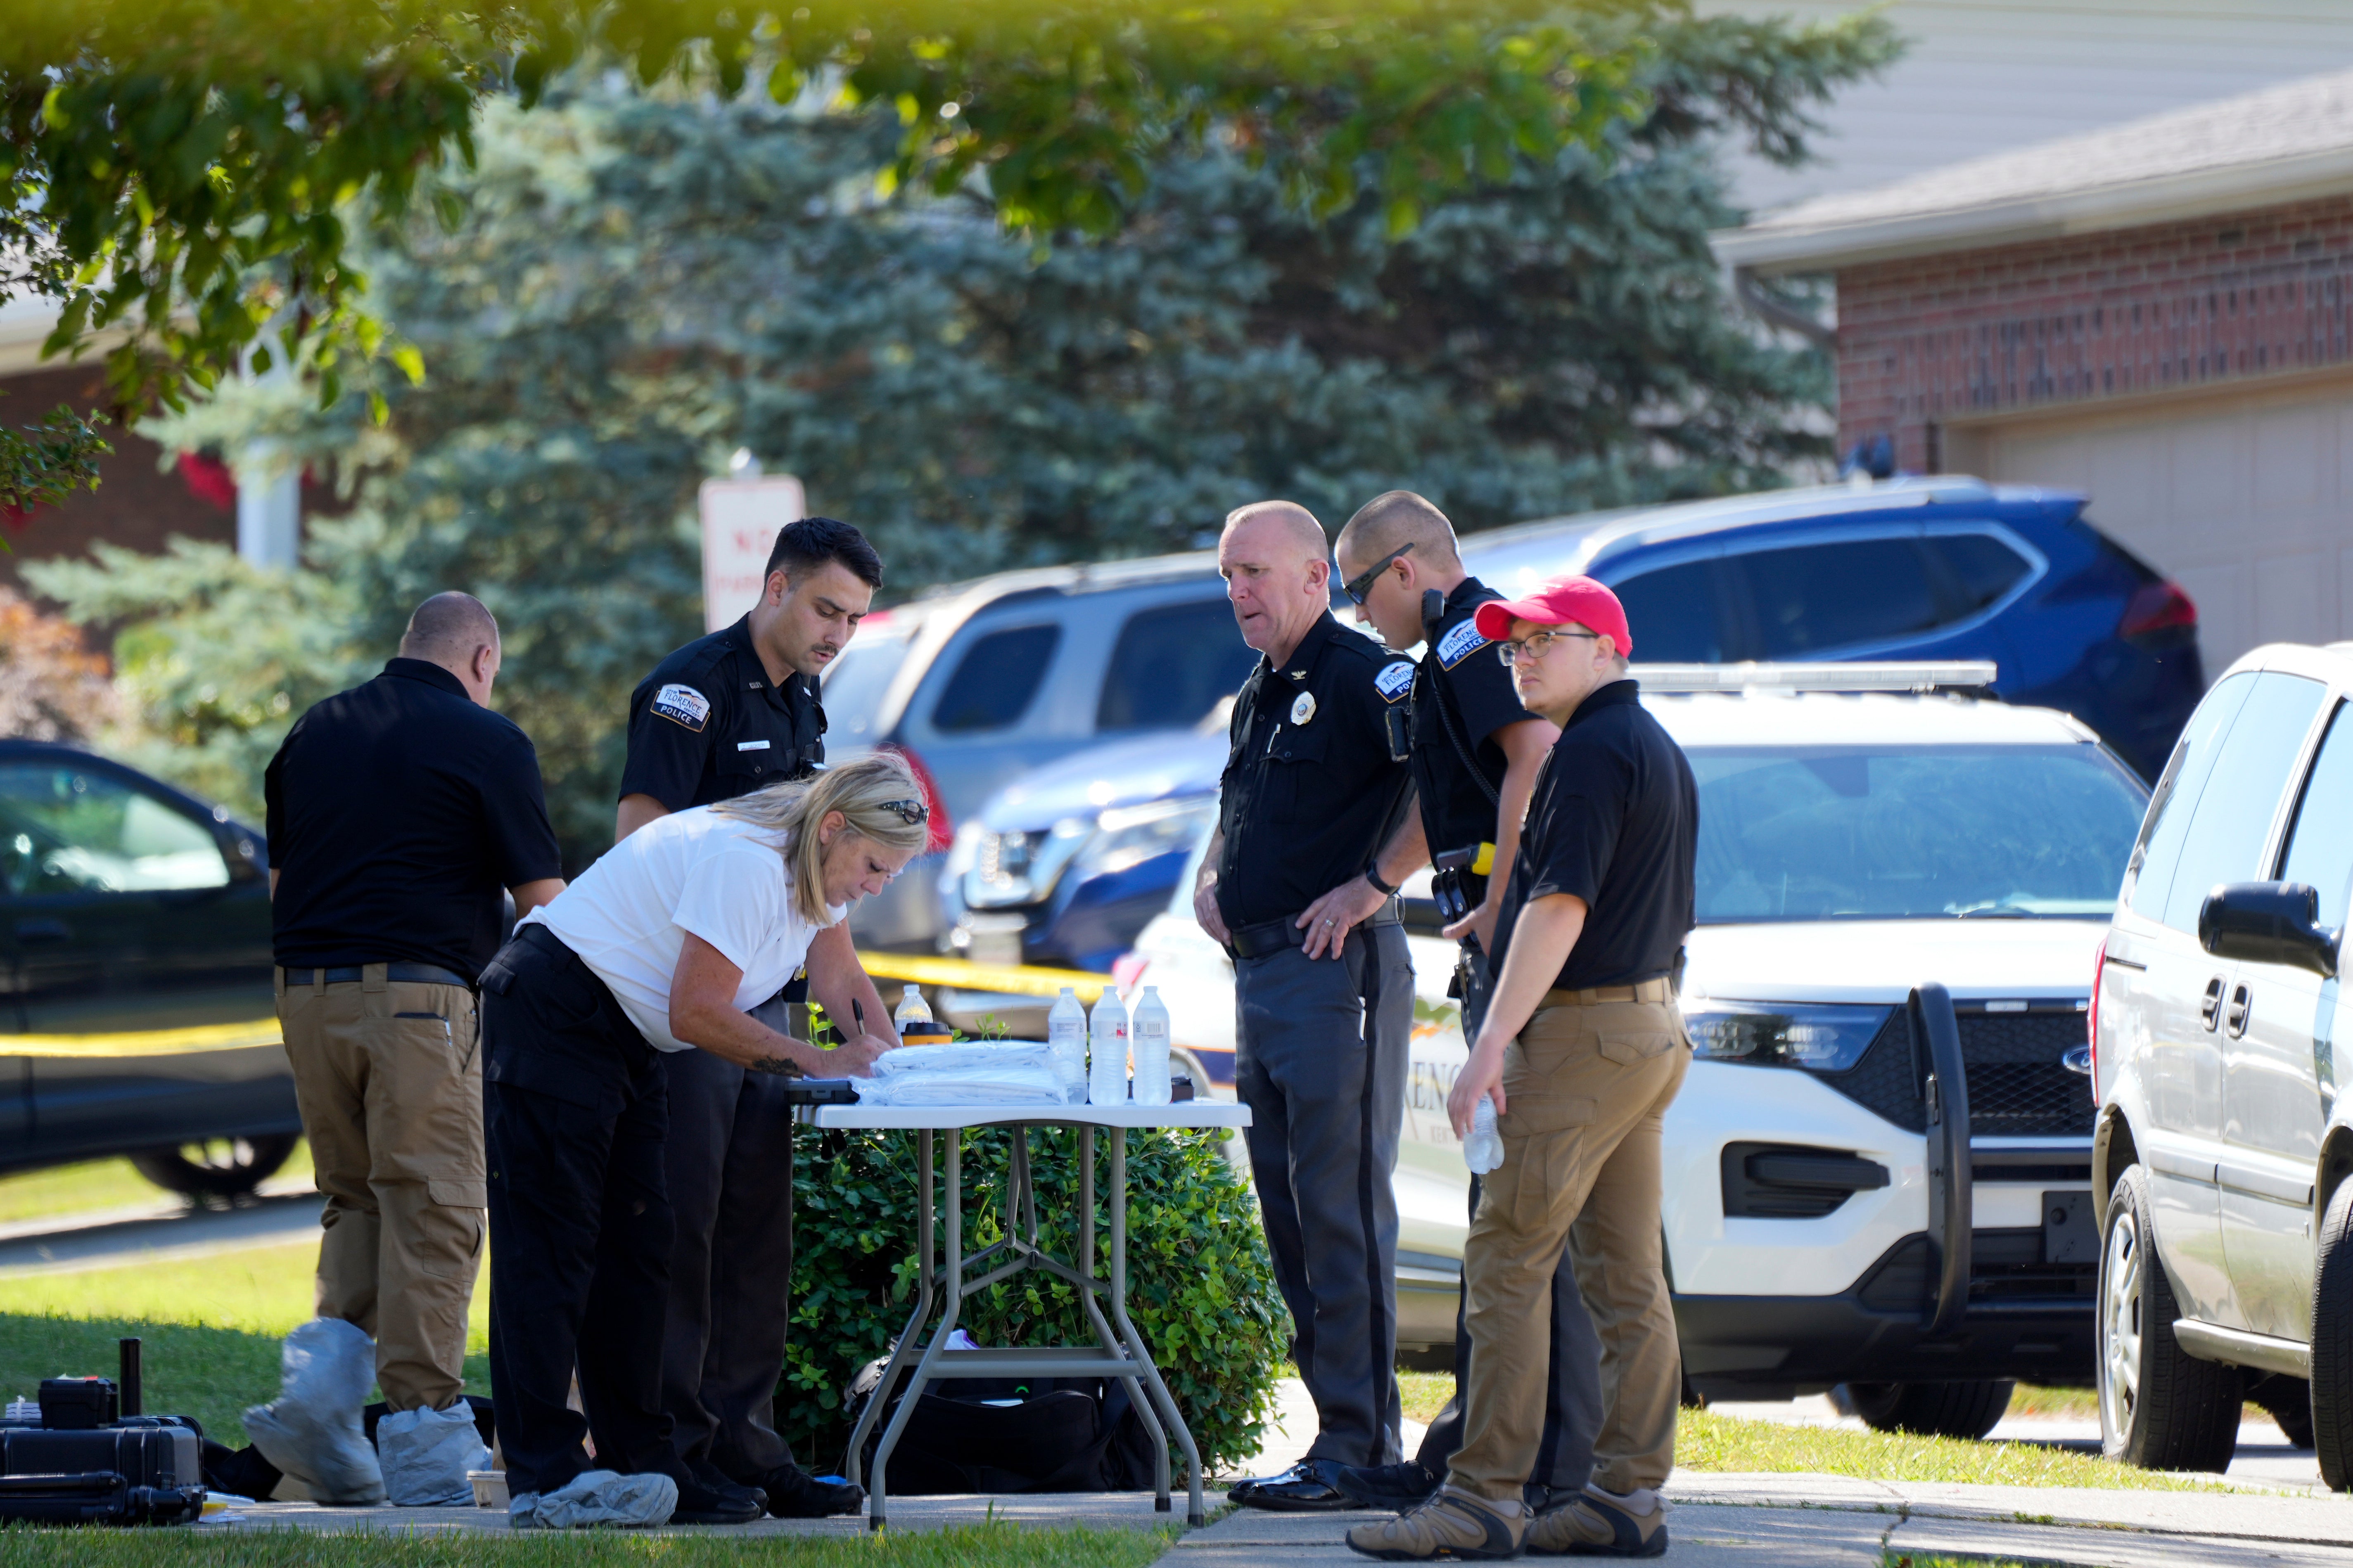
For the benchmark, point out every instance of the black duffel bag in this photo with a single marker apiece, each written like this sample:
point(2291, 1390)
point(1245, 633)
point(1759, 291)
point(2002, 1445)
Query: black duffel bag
point(1040, 1435)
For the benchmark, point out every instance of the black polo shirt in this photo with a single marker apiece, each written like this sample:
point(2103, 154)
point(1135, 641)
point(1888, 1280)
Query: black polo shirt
point(709, 725)
point(1463, 695)
point(398, 812)
point(1614, 820)
point(1309, 791)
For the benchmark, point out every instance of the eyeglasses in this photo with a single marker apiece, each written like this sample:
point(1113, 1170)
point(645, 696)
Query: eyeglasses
point(910, 812)
point(1535, 644)
point(1357, 587)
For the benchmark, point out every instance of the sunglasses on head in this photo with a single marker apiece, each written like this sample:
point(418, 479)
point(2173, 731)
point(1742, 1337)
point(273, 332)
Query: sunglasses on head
point(1357, 587)
point(910, 812)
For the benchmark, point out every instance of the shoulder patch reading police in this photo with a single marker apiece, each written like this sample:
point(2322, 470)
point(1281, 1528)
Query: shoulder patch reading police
point(682, 705)
point(1460, 644)
point(1395, 679)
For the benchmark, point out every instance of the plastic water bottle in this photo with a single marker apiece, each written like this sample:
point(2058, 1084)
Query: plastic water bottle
point(1066, 1036)
point(1484, 1150)
point(1151, 1049)
point(912, 1010)
point(1107, 1063)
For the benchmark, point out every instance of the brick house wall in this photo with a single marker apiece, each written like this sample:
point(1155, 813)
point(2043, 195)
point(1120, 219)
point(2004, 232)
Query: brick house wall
point(2066, 324)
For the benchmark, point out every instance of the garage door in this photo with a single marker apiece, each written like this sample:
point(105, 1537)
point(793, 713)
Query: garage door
point(2247, 503)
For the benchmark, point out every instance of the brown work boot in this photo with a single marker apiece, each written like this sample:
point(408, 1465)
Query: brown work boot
point(1453, 1525)
point(1597, 1523)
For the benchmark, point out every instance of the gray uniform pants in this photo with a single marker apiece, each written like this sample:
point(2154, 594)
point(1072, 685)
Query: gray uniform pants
point(729, 1161)
point(1573, 1388)
point(1321, 1062)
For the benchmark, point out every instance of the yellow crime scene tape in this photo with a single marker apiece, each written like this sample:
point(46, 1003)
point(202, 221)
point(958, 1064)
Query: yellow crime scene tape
point(1018, 980)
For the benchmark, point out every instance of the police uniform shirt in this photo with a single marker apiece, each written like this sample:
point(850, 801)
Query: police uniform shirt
point(1613, 820)
point(398, 813)
point(709, 725)
point(1310, 789)
point(1463, 695)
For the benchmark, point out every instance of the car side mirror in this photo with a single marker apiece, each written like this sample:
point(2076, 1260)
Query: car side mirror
point(2268, 923)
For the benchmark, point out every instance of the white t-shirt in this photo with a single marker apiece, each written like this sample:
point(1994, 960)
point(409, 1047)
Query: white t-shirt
point(718, 876)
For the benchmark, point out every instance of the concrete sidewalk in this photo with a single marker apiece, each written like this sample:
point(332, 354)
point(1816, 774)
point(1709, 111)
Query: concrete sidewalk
point(1733, 1521)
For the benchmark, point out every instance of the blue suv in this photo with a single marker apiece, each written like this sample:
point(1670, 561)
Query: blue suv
point(1066, 864)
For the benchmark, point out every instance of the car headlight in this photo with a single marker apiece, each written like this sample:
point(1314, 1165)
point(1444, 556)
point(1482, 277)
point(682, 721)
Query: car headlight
point(1019, 868)
point(1820, 1039)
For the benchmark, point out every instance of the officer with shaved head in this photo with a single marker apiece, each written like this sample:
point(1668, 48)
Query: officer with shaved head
point(1314, 786)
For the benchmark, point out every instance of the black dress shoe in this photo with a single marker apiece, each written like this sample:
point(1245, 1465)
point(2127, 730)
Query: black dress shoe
point(706, 1497)
point(1305, 1487)
point(1399, 1487)
point(794, 1493)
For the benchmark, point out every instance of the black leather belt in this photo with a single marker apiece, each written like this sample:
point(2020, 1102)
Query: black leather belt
point(1273, 936)
point(406, 973)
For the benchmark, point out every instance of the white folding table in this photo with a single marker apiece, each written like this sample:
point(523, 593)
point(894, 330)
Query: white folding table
point(1119, 1351)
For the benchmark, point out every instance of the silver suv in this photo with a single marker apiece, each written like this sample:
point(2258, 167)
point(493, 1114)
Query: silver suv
point(991, 678)
point(2222, 1147)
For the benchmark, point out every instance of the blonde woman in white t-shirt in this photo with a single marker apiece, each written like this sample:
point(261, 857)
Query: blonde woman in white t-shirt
point(661, 945)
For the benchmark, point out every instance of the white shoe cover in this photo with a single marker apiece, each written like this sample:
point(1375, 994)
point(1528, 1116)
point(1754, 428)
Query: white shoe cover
point(311, 1430)
point(425, 1455)
point(598, 1500)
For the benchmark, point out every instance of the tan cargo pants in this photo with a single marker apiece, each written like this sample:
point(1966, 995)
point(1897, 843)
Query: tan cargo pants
point(389, 1078)
point(1587, 1083)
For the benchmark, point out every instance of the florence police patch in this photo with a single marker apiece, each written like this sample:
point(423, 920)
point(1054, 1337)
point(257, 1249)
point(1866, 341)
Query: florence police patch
point(1460, 644)
point(1395, 679)
point(682, 705)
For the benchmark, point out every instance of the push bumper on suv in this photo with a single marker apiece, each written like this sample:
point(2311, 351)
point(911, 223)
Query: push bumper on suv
point(1956, 1301)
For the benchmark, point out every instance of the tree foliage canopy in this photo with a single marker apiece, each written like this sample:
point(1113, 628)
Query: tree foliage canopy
point(179, 175)
point(625, 285)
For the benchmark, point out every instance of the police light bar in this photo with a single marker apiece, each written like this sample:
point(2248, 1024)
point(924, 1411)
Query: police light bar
point(1954, 675)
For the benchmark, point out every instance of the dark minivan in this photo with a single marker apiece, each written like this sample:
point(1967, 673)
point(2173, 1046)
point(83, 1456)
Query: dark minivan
point(135, 1009)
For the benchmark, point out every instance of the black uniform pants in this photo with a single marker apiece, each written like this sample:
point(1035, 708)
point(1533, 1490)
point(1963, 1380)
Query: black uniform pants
point(574, 1117)
point(730, 1166)
point(1573, 1391)
point(1321, 1061)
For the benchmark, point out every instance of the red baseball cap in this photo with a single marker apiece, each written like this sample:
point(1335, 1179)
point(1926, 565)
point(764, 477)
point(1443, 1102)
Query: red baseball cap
point(1556, 602)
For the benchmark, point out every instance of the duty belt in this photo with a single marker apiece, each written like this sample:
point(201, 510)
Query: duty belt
point(1273, 936)
point(402, 974)
point(1659, 990)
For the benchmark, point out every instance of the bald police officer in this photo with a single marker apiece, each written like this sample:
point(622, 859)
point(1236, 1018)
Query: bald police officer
point(1314, 784)
point(1476, 754)
point(725, 715)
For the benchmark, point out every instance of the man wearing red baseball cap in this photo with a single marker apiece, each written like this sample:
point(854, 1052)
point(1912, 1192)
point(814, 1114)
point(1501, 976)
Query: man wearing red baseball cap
point(1582, 1050)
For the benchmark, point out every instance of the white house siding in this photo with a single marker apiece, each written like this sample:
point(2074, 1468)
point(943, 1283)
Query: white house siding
point(1983, 75)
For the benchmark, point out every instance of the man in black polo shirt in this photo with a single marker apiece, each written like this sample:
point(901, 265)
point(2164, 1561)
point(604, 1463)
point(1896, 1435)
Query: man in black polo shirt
point(1323, 986)
point(1476, 754)
point(727, 714)
point(397, 811)
point(1581, 1051)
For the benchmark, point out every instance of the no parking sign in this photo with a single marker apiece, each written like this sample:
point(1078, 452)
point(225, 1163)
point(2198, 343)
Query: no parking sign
point(740, 520)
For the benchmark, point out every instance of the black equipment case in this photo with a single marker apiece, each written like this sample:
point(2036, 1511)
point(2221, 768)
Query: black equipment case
point(90, 1462)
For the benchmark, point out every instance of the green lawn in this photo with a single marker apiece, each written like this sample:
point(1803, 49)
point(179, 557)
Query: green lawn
point(211, 1325)
point(1706, 1441)
point(970, 1546)
point(99, 1185)
point(1425, 1393)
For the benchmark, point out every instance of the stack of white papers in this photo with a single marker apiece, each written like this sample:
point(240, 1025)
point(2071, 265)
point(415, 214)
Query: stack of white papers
point(995, 1072)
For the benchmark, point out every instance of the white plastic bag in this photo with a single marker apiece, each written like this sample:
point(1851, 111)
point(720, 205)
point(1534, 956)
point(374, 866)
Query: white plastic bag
point(311, 1430)
point(425, 1455)
point(599, 1499)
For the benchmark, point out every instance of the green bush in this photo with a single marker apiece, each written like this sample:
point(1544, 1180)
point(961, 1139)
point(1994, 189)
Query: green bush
point(1200, 1289)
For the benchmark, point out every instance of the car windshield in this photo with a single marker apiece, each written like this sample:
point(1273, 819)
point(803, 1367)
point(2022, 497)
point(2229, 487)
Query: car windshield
point(1911, 833)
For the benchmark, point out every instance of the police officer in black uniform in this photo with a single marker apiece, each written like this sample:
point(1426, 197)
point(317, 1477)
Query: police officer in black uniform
point(1476, 754)
point(725, 715)
point(1323, 986)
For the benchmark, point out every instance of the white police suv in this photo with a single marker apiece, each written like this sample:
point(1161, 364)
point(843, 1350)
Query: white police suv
point(1878, 1172)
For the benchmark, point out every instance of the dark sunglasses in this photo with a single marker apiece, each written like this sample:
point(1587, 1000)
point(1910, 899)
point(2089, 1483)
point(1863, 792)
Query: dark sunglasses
point(1357, 587)
point(910, 812)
